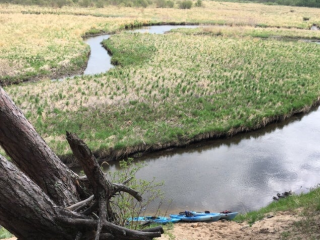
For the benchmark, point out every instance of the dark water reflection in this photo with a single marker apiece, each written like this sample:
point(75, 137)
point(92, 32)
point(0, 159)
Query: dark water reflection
point(241, 173)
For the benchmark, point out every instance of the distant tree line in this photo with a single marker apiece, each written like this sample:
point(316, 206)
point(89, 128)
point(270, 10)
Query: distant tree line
point(183, 4)
point(300, 3)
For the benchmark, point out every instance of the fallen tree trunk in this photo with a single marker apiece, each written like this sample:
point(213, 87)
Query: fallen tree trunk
point(40, 198)
point(32, 155)
point(25, 210)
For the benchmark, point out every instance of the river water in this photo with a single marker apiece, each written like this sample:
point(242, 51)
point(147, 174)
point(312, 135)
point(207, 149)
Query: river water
point(241, 173)
point(100, 60)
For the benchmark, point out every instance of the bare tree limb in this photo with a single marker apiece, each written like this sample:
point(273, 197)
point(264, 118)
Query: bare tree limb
point(122, 188)
point(102, 215)
point(81, 204)
point(118, 231)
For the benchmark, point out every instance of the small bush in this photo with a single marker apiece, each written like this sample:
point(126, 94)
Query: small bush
point(161, 3)
point(198, 3)
point(61, 3)
point(170, 4)
point(129, 4)
point(185, 4)
point(84, 3)
point(99, 4)
point(143, 3)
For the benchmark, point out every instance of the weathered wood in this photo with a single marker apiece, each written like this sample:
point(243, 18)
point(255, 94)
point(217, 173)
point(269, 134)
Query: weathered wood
point(25, 210)
point(32, 155)
point(154, 229)
point(103, 190)
point(90, 165)
point(80, 204)
point(118, 231)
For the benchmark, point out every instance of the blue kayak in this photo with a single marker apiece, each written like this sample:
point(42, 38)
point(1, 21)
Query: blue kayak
point(228, 215)
point(162, 220)
point(223, 215)
point(152, 219)
point(137, 219)
point(189, 217)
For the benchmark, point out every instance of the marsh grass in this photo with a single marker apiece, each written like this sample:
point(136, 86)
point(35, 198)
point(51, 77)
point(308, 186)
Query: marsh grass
point(47, 42)
point(174, 88)
point(247, 31)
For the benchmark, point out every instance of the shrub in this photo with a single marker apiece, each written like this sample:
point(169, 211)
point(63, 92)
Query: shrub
point(199, 3)
point(142, 3)
point(99, 4)
point(61, 3)
point(160, 3)
point(124, 204)
point(185, 4)
point(129, 4)
point(84, 3)
point(170, 4)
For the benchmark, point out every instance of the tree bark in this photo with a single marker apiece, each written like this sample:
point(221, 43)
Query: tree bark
point(40, 196)
point(32, 155)
point(25, 210)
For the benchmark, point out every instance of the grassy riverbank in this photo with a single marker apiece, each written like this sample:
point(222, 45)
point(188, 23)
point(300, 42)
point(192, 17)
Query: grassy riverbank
point(305, 207)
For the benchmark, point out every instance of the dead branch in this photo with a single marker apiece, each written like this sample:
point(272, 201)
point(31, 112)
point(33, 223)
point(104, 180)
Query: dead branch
point(118, 231)
point(79, 205)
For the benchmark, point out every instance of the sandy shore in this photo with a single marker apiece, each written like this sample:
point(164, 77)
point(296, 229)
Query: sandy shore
point(274, 227)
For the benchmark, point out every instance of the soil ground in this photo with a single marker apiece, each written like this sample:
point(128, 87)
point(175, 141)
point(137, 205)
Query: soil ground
point(279, 226)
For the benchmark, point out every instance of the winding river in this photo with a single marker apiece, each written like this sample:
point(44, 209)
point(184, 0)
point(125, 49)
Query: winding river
point(241, 173)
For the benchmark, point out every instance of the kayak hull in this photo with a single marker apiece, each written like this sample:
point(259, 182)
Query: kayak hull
point(223, 215)
point(159, 219)
point(228, 216)
point(198, 218)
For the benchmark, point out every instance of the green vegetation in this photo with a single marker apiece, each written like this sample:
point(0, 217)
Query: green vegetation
point(306, 206)
point(124, 204)
point(186, 4)
point(172, 88)
point(4, 233)
point(271, 33)
point(301, 3)
point(134, 54)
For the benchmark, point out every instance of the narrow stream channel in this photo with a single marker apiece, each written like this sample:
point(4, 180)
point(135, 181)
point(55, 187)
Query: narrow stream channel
point(241, 173)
